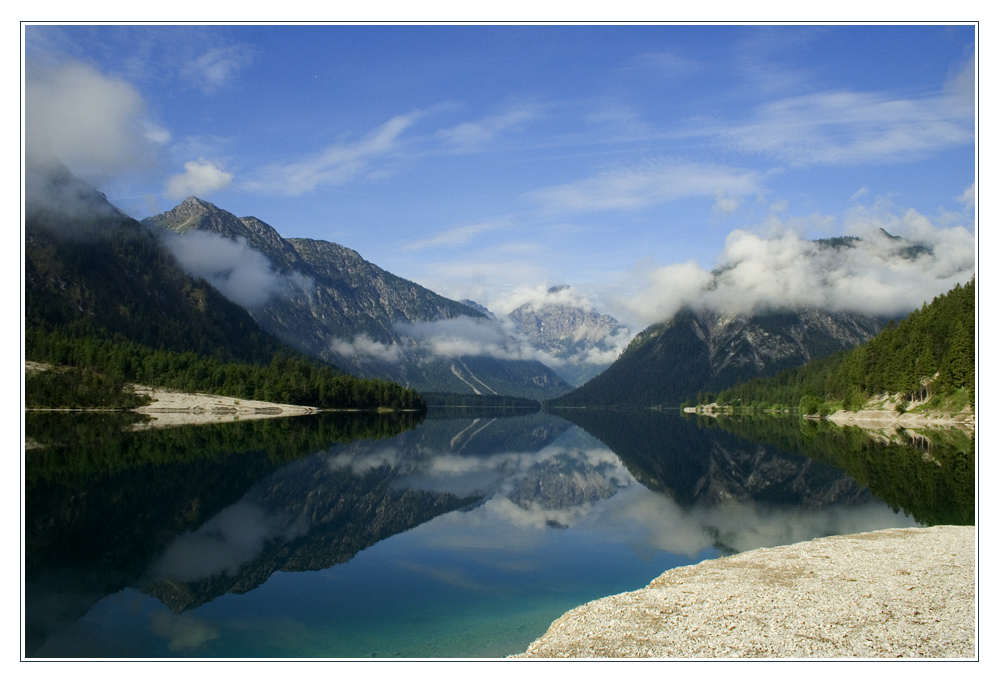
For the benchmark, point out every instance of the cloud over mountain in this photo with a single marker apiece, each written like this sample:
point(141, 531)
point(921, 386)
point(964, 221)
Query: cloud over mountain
point(243, 274)
point(898, 262)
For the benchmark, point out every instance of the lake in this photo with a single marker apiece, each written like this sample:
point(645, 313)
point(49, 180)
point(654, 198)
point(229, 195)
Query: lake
point(460, 535)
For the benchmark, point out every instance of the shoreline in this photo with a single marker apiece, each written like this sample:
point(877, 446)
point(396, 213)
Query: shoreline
point(867, 419)
point(896, 593)
point(890, 418)
point(175, 408)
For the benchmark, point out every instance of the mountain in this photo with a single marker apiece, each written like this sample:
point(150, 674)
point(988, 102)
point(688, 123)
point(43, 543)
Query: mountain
point(92, 270)
point(581, 342)
point(104, 294)
point(696, 351)
point(927, 361)
point(326, 300)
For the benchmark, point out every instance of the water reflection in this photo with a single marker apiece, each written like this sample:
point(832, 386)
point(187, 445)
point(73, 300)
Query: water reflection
point(463, 536)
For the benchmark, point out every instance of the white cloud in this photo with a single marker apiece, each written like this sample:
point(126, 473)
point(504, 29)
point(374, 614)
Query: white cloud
point(456, 236)
point(200, 178)
point(241, 273)
point(337, 164)
point(783, 268)
point(216, 68)
point(724, 204)
point(365, 346)
point(968, 198)
point(837, 128)
point(95, 124)
point(541, 295)
point(642, 186)
point(463, 336)
point(664, 291)
point(474, 134)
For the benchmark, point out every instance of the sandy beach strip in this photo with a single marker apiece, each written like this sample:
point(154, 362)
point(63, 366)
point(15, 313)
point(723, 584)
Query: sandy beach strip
point(172, 408)
point(898, 593)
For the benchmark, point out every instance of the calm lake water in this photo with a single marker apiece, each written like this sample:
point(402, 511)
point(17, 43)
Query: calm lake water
point(461, 535)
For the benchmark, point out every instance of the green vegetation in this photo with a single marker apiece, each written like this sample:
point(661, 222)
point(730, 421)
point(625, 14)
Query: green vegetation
point(74, 388)
point(104, 296)
point(930, 475)
point(927, 360)
point(286, 379)
point(70, 449)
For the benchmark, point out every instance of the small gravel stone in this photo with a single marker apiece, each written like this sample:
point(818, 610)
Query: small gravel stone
point(906, 593)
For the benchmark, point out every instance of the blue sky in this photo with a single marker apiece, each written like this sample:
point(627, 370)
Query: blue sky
point(490, 162)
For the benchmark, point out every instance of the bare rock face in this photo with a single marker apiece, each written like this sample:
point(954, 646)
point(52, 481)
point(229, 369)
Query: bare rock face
point(326, 300)
point(584, 341)
point(695, 351)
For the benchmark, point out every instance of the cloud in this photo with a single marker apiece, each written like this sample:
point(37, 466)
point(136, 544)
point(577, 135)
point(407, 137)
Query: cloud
point(224, 543)
point(456, 236)
point(665, 290)
point(863, 192)
point(199, 178)
point(366, 347)
point(961, 86)
point(877, 275)
point(500, 338)
point(968, 198)
point(844, 128)
point(336, 165)
point(97, 125)
point(639, 187)
point(724, 204)
point(539, 296)
point(243, 274)
point(216, 68)
point(462, 336)
point(473, 135)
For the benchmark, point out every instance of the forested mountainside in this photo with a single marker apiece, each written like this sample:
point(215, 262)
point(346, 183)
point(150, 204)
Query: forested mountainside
point(927, 358)
point(103, 294)
point(697, 351)
point(326, 300)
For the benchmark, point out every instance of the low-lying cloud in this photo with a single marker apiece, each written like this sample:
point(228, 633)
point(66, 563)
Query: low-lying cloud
point(365, 347)
point(495, 338)
point(464, 336)
point(876, 275)
point(243, 275)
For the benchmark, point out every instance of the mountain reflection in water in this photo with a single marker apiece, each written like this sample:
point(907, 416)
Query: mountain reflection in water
point(463, 536)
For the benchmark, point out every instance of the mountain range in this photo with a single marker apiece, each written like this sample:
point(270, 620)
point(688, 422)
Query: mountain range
point(326, 300)
point(703, 350)
point(243, 291)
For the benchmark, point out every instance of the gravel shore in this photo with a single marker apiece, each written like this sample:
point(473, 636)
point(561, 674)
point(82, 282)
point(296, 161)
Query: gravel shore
point(896, 593)
point(172, 408)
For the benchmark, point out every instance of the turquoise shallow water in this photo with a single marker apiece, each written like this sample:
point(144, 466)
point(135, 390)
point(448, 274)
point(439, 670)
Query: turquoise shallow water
point(462, 538)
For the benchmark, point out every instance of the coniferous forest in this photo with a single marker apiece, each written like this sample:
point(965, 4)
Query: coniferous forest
point(928, 358)
point(107, 303)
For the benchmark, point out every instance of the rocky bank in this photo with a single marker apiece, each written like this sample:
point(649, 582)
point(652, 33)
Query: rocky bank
point(898, 593)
